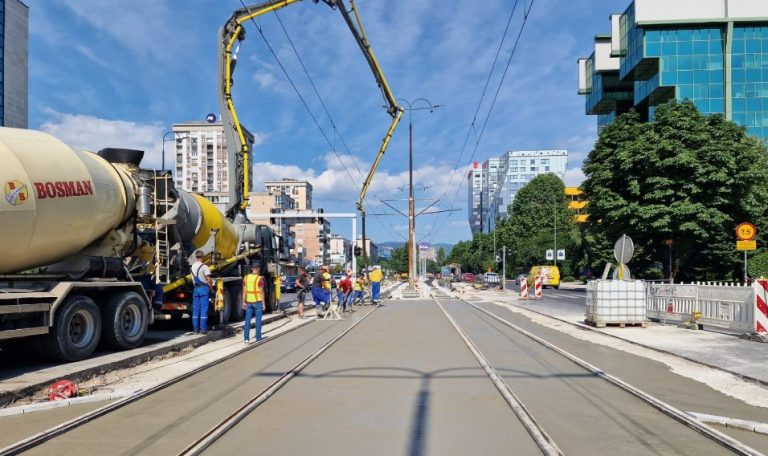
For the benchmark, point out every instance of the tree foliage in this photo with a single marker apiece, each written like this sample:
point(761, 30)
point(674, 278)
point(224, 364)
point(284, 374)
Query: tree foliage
point(398, 262)
point(683, 177)
point(539, 208)
point(539, 220)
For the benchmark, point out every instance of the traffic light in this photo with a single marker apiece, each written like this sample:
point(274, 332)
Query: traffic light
point(358, 251)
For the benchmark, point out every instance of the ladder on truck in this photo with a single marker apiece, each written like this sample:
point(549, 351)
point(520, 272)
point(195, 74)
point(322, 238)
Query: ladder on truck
point(162, 240)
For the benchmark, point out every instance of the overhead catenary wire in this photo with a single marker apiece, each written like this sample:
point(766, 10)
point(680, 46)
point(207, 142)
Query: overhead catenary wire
point(298, 93)
point(336, 131)
point(479, 137)
point(324, 105)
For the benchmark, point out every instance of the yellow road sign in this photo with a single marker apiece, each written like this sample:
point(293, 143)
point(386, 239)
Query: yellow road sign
point(746, 245)
point(746, 231)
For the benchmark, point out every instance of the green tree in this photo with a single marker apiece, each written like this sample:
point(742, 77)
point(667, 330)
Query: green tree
point(440, 257)
point(474, 256)
point(538, 208)
point(683, 177)
point(398, 262)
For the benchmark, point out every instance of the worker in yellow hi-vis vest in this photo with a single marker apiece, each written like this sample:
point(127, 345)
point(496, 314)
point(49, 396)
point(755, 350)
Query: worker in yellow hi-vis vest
point(253, 301)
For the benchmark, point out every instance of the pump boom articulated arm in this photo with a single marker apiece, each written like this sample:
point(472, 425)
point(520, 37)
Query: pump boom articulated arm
point(230, 37)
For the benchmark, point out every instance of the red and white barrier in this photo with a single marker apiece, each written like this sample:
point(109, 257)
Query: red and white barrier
point(524, 289)
point(761, 306)
point(538, 288)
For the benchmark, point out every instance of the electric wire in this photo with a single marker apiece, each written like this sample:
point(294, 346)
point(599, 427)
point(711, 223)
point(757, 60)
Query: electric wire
point(526, 14)
point(298, 93)
point(336, 131)
point(471, 128)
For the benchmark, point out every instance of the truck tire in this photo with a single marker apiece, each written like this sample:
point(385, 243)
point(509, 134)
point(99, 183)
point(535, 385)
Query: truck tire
point(236, 297)
point(224, 315)
point(76, 330)
point(125, 319)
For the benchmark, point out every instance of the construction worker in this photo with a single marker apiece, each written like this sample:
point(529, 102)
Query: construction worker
point(318, 292)
point(201, 276)
point(278, 285)
point(376, 277)
point(327, 284)
point(344, 291)
point(302, 283)
point(253, 301)
point(358, 287)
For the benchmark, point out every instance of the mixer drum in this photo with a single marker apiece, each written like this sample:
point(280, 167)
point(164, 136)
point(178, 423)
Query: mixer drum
point(55, 200)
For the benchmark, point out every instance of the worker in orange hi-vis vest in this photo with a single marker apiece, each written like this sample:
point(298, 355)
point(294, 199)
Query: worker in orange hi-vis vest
point(253, 301)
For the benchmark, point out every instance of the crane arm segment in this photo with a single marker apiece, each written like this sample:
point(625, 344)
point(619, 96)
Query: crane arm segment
point(358, 31)
point(237, 137)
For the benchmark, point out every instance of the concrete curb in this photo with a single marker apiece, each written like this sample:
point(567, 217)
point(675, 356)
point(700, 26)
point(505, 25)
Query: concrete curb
point(8, 397)
point(751, 426)
point(131, 360)
point(658, 350)
point(24, 409)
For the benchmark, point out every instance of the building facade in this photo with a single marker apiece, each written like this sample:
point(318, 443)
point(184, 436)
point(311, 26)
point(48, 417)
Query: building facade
point(494, 184)
point(313, 247)
point(577, 203)
point(202, 164)
point(372, 249)
point(341, 250)
point(476, 185)
point(262, 203)
point(712, 52)
point(300, 191)
point(14, 55)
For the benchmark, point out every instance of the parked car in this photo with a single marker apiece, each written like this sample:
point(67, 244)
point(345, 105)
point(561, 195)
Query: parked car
point(468, 277)
point(520, 279)
point(288, 284)
point(491, 278)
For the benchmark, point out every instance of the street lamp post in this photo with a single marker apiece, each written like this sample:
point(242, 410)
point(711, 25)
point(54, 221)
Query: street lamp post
point(411, 206)
point(164, 141)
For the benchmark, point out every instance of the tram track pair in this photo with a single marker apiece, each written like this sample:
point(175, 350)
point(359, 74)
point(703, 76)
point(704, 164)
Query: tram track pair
point(537, 432)
point(216, 431)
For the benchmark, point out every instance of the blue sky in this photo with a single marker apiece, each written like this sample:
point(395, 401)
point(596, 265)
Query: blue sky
point(119, 73)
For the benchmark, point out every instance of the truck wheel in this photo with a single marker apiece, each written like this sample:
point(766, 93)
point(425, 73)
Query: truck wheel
point(76, 330)
point(224, 315)
point(236, 297)
point(125, 321)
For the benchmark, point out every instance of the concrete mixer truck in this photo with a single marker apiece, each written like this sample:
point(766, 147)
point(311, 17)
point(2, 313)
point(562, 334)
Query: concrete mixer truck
point(92, 246)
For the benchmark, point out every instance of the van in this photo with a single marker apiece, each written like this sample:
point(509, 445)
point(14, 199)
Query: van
point(550, 276)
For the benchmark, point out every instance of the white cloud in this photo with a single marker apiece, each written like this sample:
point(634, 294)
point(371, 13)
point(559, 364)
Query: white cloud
point(334, 184)
point(93, 133)
point(574, 177)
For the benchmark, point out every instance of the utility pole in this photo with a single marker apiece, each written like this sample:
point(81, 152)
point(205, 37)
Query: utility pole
point(503, 267)
point(411, 204)
point(411, 207)
point(365, 252)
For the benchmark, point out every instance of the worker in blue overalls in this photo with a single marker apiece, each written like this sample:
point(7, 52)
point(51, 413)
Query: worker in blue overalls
point(203, 286)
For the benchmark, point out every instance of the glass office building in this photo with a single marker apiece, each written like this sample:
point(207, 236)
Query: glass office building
point(492, 185)
point(712, 52)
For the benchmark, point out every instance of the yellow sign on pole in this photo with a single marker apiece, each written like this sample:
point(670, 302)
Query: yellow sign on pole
point(746, 231)
point(746, 245)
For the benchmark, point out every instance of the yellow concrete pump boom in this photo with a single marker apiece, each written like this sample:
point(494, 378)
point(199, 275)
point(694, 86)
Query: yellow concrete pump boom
point(231, 35)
